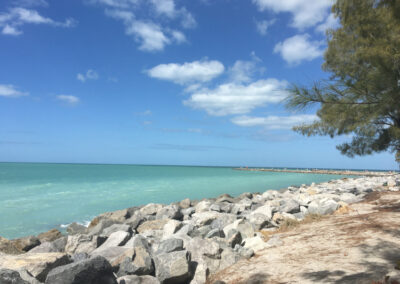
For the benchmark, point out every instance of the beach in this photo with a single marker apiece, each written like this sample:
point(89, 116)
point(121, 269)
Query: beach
point(194, 241)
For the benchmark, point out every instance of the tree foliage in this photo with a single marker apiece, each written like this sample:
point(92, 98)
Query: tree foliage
point(362, 96)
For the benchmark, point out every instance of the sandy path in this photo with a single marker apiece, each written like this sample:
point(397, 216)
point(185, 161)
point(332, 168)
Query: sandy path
point(357, 247)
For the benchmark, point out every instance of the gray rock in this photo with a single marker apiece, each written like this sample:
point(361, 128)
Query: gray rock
point(115, 255)
point(81, 243)
point(45, 247)
point(75, 228)
point(134, 279)
point(170, 212)
point(225, 198)
point(222, 221)
point(8, 276)
point(323, 207)
point(170, 245)
point(228, 258)
point(80, 256)
point(135, 220)
point(49, 236)
point(188, 211)
point(259, 221)
point(215, 207)
point(152, 225)
point(201, 232)
point(203, 247)
point(100, 226)
point(244, 252)
point(173, 267)
point(289, 206)
point(248, 195)
point(225, 207)
point(245, 228)
point(95, 270)
point(138, 241)
point(150, 209)
point(115, 228)
point(203, 206)
point(215, 233)
point(171, 227)
point(141, 264)
point(115, 239)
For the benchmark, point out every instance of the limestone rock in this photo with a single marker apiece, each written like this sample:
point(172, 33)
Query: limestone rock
point(26, 243)
point(150, 209)
point(171, 227)
point(75, 228)
point(115, 255)
point(245, 228)
point(152, 225)
point(135, 279)
point(255, 243)
point(81, 243)
point(140, 264)
point(169, 212)
point(185, 203)
point(115, 239)
point(8, 276)
point(37, 264)
point(49, 236)
point(203, 206)
point(115, 228)
point(8, 247)
point(170, 245)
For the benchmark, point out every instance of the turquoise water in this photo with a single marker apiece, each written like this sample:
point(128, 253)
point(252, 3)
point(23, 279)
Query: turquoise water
point(38, 197)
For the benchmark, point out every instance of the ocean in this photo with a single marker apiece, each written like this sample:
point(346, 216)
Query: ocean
point(37, 197)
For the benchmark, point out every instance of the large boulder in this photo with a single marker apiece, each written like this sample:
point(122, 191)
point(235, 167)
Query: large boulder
point(8, 247)
point(49, 236)
point(115, 228)
point(171, 227)
point(135, 279)
point(255, 243)
point(265, 210)
point(97, 226)
point(81, 243)
point(140, 264)
point(323, 207)
point(115, 239)
point(169, 212)
point(203, 247)
point(75, 228)
point(8, 276)
point(115, 255)
point(48, 247)
point(185, 203)
point(170, 245)
point(152, 225)
point(26, 243)
point(202, 206)
point(243, 226)
point(37, 264)
point(289, 205)
point(150, 209)
point(95, 270)
point(173, 267)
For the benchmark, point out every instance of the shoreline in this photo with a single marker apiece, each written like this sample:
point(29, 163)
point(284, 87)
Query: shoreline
point(321, 171)
point(161, 243)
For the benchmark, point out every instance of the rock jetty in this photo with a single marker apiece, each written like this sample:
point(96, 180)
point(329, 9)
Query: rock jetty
point(182, 242)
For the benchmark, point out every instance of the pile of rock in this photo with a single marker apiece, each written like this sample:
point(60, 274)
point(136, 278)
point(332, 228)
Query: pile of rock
point(182, 242)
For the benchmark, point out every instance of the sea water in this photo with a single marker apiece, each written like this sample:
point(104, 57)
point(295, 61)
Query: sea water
point(36, 197)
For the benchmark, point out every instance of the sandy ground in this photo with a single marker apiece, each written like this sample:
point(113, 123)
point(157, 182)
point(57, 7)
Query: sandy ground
point(359, 246)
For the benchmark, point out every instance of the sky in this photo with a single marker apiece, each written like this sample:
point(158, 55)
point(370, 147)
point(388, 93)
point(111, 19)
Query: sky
point(172, 82)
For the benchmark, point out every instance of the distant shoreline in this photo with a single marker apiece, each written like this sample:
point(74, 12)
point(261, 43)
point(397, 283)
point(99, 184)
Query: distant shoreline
point(321, 171)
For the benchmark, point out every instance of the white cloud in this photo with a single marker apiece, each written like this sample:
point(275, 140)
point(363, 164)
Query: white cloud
point(299, 48)
point(187, 73)
point(12, 20)
point(242, 71)
point(235, 98)
point(306, 13)
point(72, 100)
point(262, 26)
point(148, 32)
point(90, 75)
point(30, 3)
point(9, 91)
point(330, 23)
point(274, 122)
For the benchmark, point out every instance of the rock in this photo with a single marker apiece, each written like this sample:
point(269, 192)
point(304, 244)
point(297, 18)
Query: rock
point(392, 277)
point(234, 238)
point(8, 247)
point(169, 212)
point(215, 207)
point(115, 239)
point(99, 227)
point(222, 221)
point(134, 279)
point(225, 198)
point(8, 276)
point(75, 228)
point(135, 220)
point(80, 256)
point(203, 247)
point(45, 247)
point(173, 267)
point(120, 216)
point(170, 245)
point(225, 207)
point(171, 227)
point(152, 225)
point(37, 264)
point(185, 203)
point(49, 236)
point(248, 195)
point(150, 209)
point(201, 232)
point(245, 228)
point(265, 210)
point(215, 233)
point(289, 206)
point(244, 252)
point(349, 198)
point(323, 207)
point(238, 208)
point(271, 194)
point(95, 270)
point(255, 243)
point(205, 217)
point(228, 258)
point(188, 211)
point(203, 206)
point(259, 221)
point(140, 264)
point(81, 243)
point(115, 228)
point(26, 243)
point(115, 255)
point(138, 241)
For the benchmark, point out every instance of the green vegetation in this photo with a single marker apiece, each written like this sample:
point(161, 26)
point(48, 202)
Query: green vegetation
point(362, 96)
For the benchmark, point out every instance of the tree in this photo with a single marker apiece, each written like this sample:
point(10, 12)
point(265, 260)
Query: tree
point(362, 95)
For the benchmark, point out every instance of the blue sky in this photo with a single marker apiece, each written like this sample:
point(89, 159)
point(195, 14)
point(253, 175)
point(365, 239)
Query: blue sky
point(163, 82)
